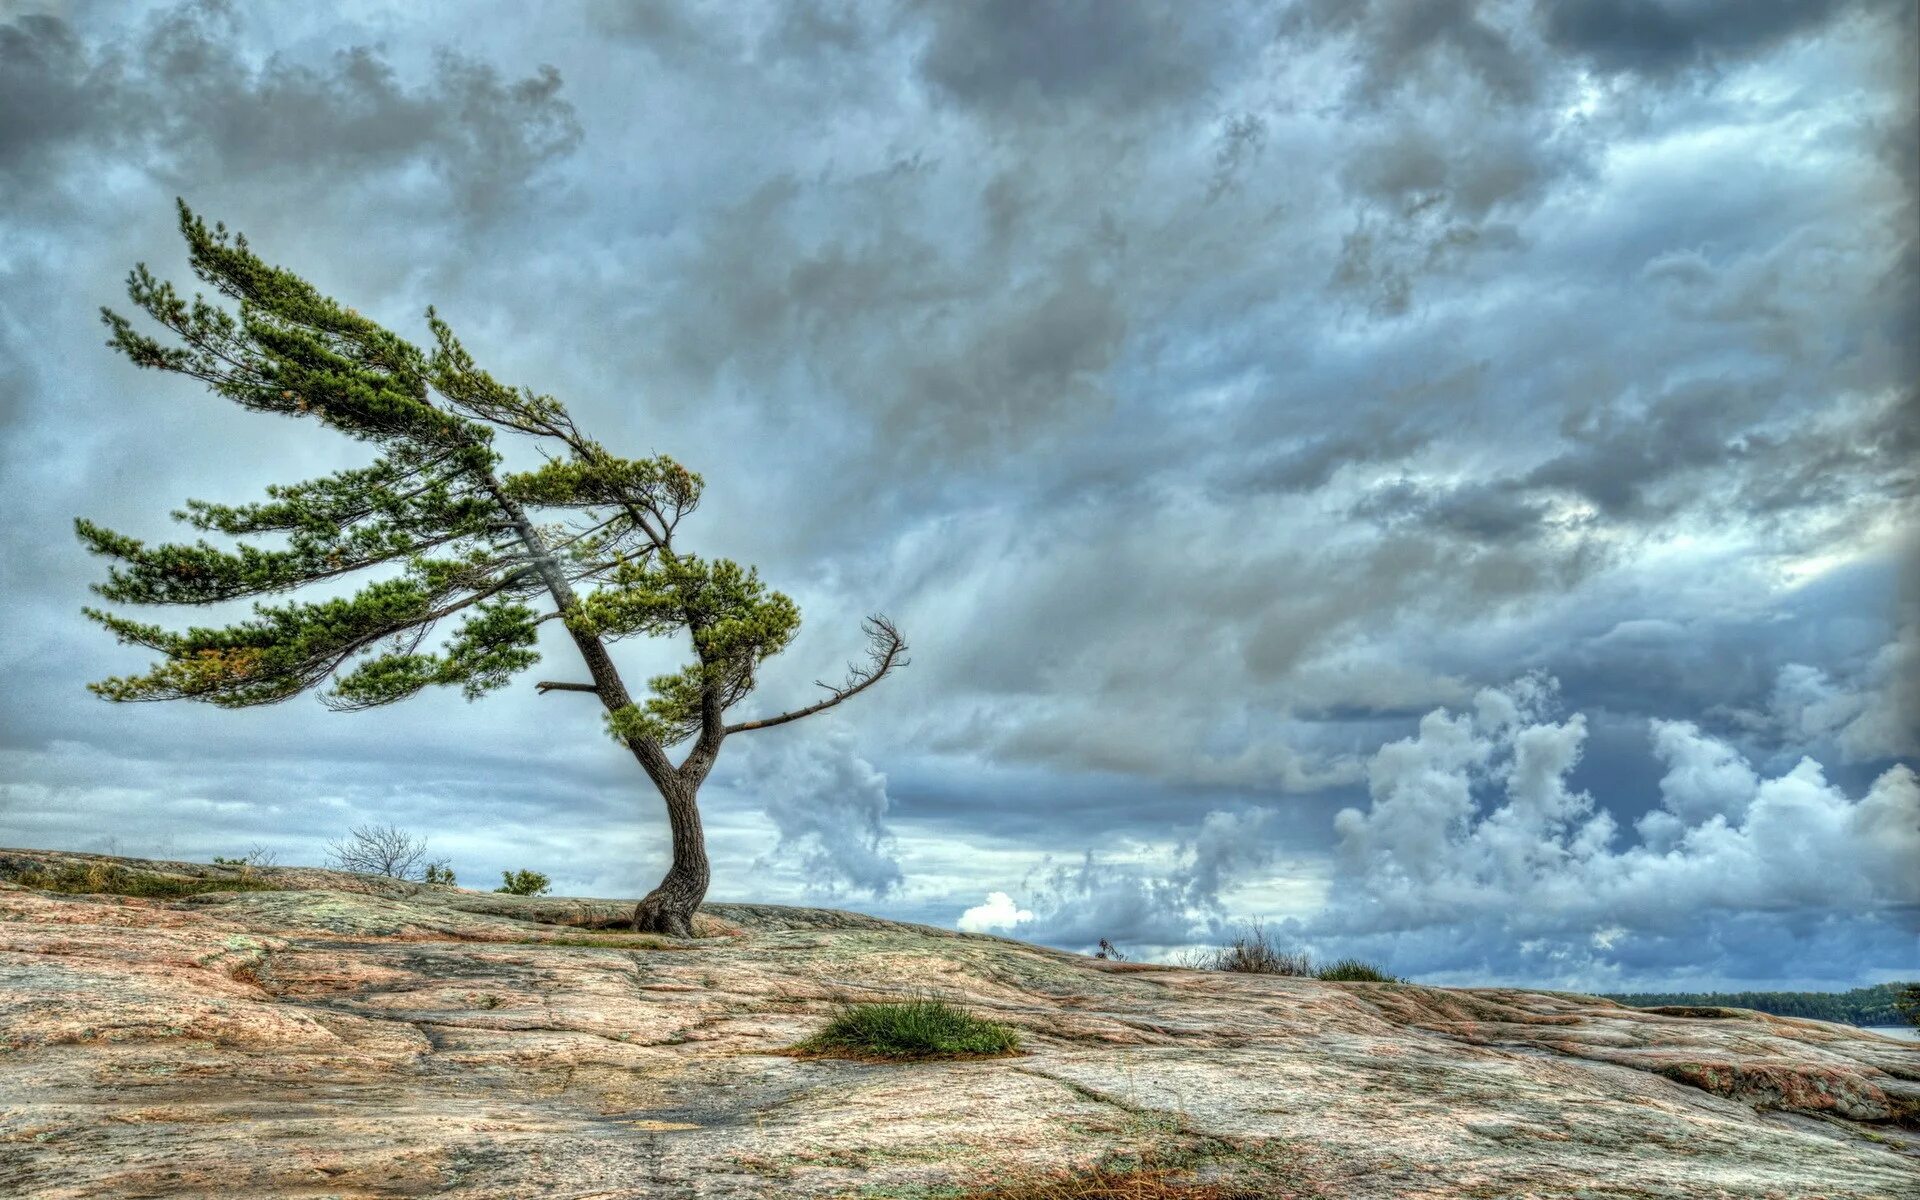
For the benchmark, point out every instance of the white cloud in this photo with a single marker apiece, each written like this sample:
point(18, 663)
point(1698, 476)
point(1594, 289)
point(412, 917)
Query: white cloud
point(1157, 896)
point(1474, 837)
point(998, 913)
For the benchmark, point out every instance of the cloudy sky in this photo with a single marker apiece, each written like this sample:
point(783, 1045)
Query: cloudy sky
point(1438, 478)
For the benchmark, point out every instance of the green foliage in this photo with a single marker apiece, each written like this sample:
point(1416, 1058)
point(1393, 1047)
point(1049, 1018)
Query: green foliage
point(1876, 1005)
point(1353, 970)
point(455, 537)
point(494, 642)
point(1906, 1002)
point(437, 873)
point(524, 883)
point(910, 1029)
point(606, 481)
point(111, 879)
point(735, 622)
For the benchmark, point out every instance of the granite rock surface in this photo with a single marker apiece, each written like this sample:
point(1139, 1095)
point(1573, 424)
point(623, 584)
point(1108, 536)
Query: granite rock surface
point(329, 1035)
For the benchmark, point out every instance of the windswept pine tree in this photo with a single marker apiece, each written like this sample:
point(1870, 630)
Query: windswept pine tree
point(587, 540)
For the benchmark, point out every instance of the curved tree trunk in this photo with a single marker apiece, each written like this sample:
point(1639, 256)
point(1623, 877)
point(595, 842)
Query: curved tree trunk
point(669, 908)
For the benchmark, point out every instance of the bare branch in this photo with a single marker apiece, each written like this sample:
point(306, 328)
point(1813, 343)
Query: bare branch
point(548, 685)
point(886, 650)
point(379, 850)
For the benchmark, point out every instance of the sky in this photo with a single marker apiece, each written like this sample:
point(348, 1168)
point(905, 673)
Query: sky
point(1437, 479)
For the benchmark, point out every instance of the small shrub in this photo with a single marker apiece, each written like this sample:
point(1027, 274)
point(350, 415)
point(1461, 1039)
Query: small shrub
point(387, 850)
point(524, 883)
point(909, 1029)
point(1254, 952)
point(1352, 970)
point(257, 855)
point(1109, 951)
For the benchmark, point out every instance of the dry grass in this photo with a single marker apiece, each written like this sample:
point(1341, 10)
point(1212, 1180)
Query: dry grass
point(1106, 1183)
point(111, 879)
point(1254, 952)
point(632, 941)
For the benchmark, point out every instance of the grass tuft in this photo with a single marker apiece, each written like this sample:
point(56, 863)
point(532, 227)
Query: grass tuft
point(906, 1030)
point(111, 879)
point(1352, 970)
point(1254, 952)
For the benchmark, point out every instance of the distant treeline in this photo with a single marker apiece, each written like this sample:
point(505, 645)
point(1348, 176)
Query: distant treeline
point(1861, 1006)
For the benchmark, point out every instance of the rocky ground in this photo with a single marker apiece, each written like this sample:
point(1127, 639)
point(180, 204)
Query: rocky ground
point(345, 1037)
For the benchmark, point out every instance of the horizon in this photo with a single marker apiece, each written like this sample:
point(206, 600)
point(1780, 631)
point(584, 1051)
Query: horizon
point(1441, 487)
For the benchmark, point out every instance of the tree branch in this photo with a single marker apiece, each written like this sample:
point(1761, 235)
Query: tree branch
point(886, 649)
point(548, 685)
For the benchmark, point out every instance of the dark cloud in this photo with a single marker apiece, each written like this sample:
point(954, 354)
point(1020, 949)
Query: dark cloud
point(1406, 45)
point(1005, 55)
point(1486, 512)
point(1662, 37)
point(951, 355)
point(44, 88)
point(179, 97)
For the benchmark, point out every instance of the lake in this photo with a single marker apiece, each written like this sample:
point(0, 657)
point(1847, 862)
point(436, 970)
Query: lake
point(1906, 1033)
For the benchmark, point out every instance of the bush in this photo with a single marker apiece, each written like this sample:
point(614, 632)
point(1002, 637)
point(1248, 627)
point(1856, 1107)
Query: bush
point(910, 1029)
point(524, 883)
point(1352, 970)
point(257, 855)
point(1253, 952)
point(387, 850)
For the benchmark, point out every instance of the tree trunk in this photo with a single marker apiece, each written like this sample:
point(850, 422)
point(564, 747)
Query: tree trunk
point(669, 908)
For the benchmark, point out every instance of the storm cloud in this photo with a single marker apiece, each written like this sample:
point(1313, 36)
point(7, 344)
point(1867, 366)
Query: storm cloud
point(1211, 393)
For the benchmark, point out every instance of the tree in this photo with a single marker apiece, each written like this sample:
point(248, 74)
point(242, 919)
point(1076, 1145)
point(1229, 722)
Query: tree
point(524, 883)
point(387, 850)
point(461, 538)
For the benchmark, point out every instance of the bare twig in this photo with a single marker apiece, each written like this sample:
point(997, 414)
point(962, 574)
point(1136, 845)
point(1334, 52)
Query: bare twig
point(886, 650)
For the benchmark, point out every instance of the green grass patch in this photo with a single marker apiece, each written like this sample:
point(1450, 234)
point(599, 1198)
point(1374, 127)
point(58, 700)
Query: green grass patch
point(1352, 970)
point(907, 1030)
point(111, 879)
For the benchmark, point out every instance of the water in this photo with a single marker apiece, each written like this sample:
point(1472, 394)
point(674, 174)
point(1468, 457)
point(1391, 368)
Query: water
point(1906, 1033)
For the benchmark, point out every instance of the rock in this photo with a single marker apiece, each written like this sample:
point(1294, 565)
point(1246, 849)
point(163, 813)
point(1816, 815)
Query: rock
point(354, 1037)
